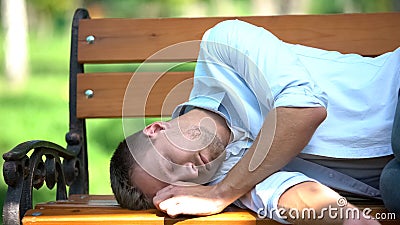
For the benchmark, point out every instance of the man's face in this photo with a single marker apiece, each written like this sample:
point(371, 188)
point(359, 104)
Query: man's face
point(192, 155)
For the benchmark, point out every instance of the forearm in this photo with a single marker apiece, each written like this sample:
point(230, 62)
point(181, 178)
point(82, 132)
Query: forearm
point(285, 132)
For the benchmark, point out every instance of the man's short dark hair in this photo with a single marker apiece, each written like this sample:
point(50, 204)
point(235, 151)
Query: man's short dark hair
point(121, 166)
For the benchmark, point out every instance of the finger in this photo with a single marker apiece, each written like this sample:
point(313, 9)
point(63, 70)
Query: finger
point(162, 195)
point(173, 207)
point(157, 200)
point(165, 189)
point(174, 211)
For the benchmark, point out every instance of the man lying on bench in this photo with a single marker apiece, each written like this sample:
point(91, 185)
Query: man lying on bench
point(269, 126)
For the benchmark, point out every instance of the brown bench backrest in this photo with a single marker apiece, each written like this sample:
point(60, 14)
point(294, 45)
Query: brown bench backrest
point(136, 40)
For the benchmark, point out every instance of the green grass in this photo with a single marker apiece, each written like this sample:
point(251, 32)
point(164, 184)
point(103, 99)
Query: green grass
point(39, 110)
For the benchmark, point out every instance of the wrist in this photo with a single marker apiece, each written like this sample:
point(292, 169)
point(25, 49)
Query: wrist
point(226, 193)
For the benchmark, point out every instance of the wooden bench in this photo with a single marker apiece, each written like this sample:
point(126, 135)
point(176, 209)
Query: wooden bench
point(101, 95)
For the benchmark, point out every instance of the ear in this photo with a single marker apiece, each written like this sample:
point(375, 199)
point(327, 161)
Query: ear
point(153, 129)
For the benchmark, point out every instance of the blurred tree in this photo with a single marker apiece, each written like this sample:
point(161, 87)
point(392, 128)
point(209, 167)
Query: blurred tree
point(14, 18)
point(47, 15)
point(326, 7)
point(137, 8)
point(168, 8)
point(353, 6)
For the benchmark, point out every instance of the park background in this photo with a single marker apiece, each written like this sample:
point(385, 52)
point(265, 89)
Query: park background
point(34, 81)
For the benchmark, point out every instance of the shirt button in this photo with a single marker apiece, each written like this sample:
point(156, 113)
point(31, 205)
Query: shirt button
point(331, 175)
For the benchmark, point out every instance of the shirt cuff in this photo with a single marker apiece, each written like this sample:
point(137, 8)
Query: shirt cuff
point(301, 98)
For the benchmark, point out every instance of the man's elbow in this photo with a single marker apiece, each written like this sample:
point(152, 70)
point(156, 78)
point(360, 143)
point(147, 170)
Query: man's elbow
point(301, 118)
point(313, 117)
point(317, 116)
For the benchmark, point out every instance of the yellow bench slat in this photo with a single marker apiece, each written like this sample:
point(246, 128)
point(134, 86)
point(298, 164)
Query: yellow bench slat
point(87, 209)
point(103, 209)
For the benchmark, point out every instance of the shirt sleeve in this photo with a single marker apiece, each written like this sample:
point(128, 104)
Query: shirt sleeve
point(268, 66)
point(263, 199)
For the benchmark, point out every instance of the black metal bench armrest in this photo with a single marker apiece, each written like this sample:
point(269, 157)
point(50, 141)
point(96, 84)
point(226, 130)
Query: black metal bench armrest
point(23, 171)
point(22, 149)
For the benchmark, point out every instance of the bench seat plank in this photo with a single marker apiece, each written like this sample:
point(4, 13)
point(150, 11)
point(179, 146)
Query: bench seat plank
point(123, 216)
point(103, 209)
point(117, 40)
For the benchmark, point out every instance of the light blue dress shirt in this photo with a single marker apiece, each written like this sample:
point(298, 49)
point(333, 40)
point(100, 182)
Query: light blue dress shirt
point(244, 71)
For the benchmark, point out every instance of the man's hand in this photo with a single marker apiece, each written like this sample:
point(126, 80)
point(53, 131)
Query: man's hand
point(291, 131)
point(196, 200)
